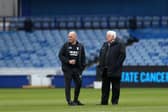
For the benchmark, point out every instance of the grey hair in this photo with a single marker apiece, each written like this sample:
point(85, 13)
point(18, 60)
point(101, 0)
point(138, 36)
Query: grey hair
point(72, 32)
point(112, 33)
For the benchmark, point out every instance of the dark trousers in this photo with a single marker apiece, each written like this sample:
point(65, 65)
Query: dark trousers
point(70, 75)
point(106, 81)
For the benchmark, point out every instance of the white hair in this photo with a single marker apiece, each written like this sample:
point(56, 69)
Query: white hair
point(73, 32)
point(112, 33)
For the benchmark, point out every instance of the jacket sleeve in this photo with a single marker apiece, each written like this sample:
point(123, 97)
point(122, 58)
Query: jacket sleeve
point(100, 66)
point(101, 54)
point(62, 55)
point(122, 55)
point(83, 58)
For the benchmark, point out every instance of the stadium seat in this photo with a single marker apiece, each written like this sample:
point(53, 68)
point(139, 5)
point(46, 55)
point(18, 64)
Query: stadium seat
point(41, 47)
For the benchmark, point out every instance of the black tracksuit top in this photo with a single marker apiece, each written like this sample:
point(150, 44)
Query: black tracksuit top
point(76, 52)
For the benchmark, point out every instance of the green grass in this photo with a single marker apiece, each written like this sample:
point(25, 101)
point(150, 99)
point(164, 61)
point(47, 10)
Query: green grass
point(52, 100)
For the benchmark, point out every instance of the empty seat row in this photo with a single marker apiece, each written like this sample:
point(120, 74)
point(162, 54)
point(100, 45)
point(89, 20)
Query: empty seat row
point(97, 22)
point(40, 48)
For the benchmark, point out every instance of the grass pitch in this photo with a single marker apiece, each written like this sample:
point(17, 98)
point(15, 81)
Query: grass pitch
point(53, 100)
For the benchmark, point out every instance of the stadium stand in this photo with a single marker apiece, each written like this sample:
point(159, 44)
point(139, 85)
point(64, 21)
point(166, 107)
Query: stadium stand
point(89, 22)
point(30, 37)
point(40, 48)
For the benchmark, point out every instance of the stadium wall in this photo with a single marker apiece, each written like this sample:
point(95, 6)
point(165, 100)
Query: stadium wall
point(8, 8)
point(132, 76)
point(94, 7)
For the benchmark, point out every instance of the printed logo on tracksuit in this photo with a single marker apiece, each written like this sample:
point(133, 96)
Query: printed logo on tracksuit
point(73, 52)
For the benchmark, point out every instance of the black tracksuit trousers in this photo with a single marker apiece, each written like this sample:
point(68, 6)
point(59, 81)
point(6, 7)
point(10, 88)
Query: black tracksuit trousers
point(106, 81)
point(70, 75)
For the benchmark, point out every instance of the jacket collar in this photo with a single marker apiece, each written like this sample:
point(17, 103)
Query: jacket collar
point(74, 44)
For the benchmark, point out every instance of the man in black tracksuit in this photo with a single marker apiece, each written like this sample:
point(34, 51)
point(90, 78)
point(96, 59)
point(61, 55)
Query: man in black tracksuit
point(72, 56)
point(112, 55)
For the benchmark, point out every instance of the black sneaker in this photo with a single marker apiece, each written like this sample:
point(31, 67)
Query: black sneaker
point(104, 104)
point(70, 103)
point(114, 103)
point(78, 103)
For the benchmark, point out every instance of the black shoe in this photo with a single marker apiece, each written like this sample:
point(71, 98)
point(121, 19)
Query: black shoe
point(114, 103)
point(104, 104)
point(78, 103)
point(70, 103)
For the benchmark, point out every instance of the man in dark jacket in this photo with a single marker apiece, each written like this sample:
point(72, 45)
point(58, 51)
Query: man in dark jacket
point(112, 55)
point(72, 56)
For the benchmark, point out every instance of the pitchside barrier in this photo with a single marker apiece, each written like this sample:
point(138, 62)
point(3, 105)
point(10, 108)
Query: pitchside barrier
point(145, 76)
point(132, 76)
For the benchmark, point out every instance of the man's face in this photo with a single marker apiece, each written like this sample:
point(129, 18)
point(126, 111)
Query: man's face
point(71, 37)
point(110, 38)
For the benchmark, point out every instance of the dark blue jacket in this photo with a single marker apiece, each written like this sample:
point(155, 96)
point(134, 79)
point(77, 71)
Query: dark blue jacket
point(113, 61)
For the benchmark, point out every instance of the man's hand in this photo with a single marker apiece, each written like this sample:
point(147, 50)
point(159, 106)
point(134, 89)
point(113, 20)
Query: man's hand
point(72, 62)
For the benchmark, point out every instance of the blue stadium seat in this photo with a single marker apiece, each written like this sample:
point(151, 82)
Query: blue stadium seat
point(113, 22)
point(122, 22)
point(87, 22)
point(164, 21)
point(156, 21)
point(139, 20)
point(40, 48)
